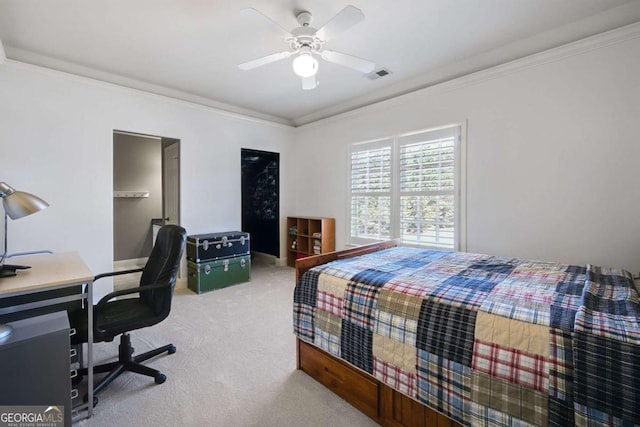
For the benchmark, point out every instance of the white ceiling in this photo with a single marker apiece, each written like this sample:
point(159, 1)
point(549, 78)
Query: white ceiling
point(189, 49)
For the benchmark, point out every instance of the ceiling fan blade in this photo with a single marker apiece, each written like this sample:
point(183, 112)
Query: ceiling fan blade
point(345, 19)
point(350, 61)
point(309, 83)
point(257, 17)
point(255, 63)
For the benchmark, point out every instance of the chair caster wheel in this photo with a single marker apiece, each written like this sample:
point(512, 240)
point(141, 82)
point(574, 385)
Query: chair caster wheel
point(160, 378)
point(172, 349)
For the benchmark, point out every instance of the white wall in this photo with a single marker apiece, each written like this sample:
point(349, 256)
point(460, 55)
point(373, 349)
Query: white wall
point(56, 142)
point(552, 153)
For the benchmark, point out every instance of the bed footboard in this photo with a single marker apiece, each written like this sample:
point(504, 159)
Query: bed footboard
point(304, 264)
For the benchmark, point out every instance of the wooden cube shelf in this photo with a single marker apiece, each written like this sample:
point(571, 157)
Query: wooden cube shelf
point(308, 236)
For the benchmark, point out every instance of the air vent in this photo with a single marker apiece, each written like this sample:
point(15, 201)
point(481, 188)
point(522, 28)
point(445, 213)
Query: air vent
point(380, 72)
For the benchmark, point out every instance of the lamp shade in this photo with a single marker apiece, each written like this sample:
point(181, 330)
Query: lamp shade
point(18, 204)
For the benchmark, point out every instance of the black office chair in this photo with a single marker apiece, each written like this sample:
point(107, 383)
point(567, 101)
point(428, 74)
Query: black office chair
point(117, 317)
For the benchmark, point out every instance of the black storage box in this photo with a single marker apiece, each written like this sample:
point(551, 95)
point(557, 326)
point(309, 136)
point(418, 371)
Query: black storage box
point(206, 247)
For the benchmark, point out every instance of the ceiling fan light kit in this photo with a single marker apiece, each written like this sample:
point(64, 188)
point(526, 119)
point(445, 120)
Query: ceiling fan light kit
point(306, 43)
point(305, 65)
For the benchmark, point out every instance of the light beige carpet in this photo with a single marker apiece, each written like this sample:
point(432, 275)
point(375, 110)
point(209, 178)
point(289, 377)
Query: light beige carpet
point(235, 365)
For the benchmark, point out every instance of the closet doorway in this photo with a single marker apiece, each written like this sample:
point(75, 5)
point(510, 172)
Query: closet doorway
point(261, 200)
point(146, 192)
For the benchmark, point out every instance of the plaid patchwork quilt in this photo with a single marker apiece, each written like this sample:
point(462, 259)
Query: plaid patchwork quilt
point(486, 340)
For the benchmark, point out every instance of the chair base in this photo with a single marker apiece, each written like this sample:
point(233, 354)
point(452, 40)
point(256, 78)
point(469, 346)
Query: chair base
point(127, 362)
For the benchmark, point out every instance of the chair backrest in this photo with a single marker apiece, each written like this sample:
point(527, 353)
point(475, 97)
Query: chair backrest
point(162, 268)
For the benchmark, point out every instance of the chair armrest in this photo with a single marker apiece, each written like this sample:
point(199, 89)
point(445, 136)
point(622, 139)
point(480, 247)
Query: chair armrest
point(118, 273)
point(105, 299)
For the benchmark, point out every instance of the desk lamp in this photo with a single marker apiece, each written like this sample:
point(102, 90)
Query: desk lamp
point(17, 204)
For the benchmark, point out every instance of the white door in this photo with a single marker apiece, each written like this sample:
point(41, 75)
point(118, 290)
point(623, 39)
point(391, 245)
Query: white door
point(172, 184)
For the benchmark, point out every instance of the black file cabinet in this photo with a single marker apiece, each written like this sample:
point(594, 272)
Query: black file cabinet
point(35, 366)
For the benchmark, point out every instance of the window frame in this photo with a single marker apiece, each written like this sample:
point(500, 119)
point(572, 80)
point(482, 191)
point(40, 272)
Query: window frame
point(459, 192)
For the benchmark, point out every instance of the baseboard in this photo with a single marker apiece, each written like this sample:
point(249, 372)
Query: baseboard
point(127, 264)
point(265, 258)
point(181, 283)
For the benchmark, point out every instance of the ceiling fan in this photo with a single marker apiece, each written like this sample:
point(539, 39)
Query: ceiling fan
point(306, 43)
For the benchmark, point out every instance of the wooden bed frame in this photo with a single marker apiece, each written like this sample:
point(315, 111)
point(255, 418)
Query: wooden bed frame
point(380, 402)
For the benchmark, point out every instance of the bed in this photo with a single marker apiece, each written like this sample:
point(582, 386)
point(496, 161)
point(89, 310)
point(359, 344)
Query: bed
point(427, 337)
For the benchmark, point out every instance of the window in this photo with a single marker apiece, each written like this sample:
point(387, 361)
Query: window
point(408, 187)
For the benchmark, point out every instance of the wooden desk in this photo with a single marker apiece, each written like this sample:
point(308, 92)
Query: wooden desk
point(34, 289)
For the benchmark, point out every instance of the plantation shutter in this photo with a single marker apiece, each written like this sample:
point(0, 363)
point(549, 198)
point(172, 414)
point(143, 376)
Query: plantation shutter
point(371, 190)
point(409, 187)
point(427, 188)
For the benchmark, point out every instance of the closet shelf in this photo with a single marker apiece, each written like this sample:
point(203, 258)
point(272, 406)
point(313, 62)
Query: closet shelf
point(140, 194)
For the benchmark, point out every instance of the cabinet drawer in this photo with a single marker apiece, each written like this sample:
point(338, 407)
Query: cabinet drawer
point(343, 379)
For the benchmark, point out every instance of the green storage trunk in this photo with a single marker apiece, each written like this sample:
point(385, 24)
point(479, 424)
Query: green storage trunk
point(217, 274)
